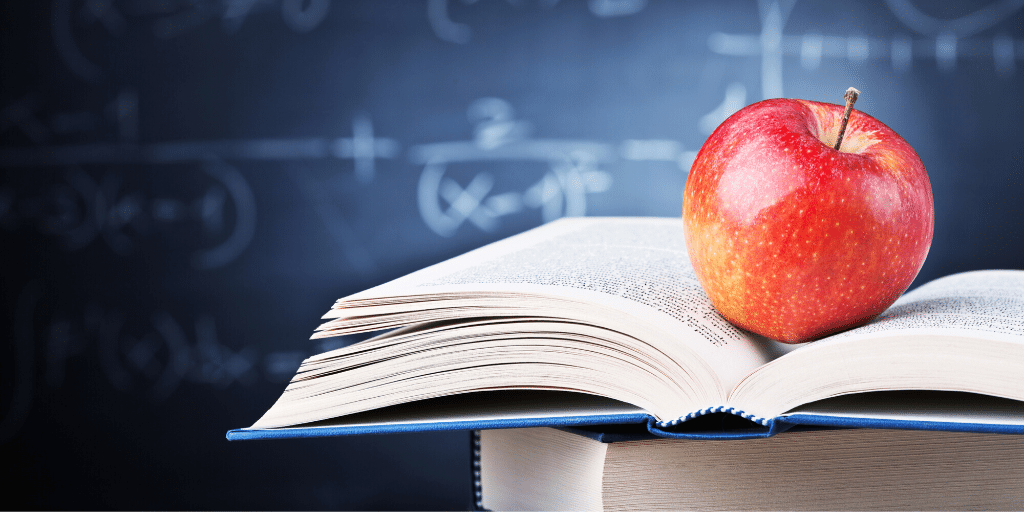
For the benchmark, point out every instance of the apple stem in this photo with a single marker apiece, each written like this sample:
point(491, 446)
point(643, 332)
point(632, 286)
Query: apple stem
point(851, 98)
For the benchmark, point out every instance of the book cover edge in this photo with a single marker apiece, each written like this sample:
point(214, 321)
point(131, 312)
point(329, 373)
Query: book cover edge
point(773, 427)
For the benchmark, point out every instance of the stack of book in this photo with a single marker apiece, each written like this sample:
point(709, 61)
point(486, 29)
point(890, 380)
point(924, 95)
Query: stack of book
point(592, 340)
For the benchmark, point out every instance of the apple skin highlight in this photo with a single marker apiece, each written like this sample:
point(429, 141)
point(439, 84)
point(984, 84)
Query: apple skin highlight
point(794, 240)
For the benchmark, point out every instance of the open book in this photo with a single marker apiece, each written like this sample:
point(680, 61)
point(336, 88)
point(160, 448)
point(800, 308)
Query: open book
point(602, 320)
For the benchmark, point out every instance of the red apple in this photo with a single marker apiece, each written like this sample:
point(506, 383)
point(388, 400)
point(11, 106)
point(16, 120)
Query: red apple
point(794, 240)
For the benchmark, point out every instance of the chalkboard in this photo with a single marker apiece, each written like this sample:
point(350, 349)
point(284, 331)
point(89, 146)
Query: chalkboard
point(187, 185)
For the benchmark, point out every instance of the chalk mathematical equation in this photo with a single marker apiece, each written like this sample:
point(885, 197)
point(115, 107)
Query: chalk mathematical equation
point(452, 31)
point(118, 120)
point(573, 169)
point(81, 209)
point(572, 173)
point(167, 19)
point(362, 148)
point(942, 40)
point(153, 354)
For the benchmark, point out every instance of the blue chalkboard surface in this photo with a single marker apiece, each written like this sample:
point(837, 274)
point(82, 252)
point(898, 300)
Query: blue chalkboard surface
point(186, 186)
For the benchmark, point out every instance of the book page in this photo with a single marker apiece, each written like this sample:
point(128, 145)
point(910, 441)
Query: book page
point(646, 263)
point(963, 332)
point(637, 266)
point(984, 304)
point(921, 406)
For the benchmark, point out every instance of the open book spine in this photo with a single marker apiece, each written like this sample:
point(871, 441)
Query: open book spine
point(758, 427)
point(712, 410)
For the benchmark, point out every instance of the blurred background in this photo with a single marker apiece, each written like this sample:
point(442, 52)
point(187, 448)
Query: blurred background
point(187, 185)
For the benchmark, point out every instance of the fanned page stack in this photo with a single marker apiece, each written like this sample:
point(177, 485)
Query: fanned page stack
point(602, 321)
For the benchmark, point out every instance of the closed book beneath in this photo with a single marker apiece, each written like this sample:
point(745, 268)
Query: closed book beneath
point(802, 469)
